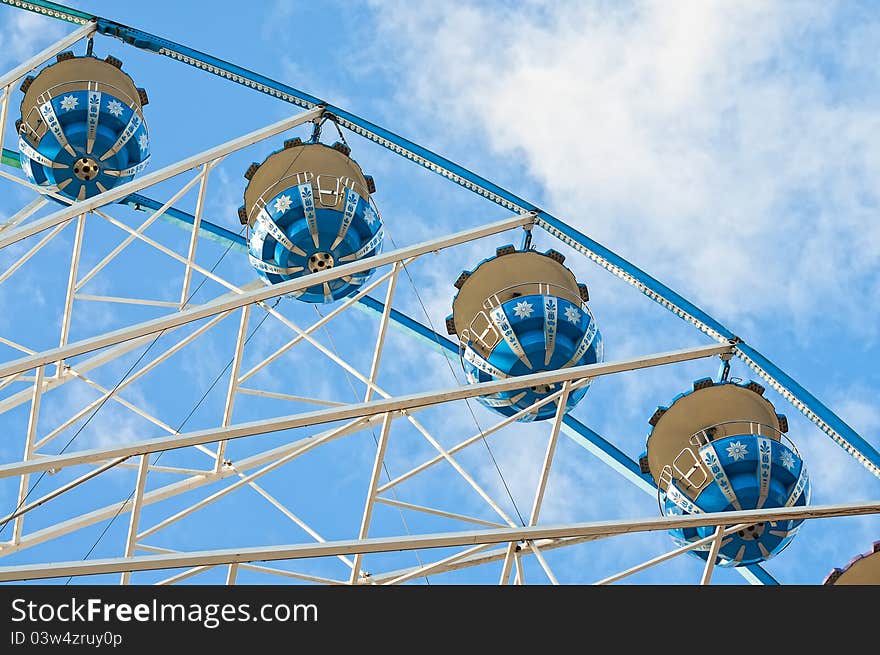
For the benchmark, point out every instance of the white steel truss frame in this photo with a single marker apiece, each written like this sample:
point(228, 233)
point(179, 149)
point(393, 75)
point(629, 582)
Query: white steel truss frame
point(518, 540)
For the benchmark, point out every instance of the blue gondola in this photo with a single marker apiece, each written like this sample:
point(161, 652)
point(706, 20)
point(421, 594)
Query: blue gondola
point(523, 312)
point(82, 128)
point(307, 207)
point(721, 447)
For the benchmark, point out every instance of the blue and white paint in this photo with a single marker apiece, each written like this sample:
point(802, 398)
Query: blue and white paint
point(539, 332)
point(746, 472)
point(84, 124)
point(291, 229)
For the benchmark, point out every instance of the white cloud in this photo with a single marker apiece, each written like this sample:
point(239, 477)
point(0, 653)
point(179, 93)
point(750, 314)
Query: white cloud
point(745, 162)
point(23, 34)
point(859, 407)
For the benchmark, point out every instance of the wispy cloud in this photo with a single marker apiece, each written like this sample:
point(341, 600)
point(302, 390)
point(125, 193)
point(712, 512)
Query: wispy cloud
point(23, 34)
point(732, 139)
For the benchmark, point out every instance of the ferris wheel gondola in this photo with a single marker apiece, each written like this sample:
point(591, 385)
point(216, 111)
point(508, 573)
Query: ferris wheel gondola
point(82, 128)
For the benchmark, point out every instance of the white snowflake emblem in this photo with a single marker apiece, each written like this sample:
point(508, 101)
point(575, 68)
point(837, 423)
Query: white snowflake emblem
point(523, 309)
point(787, 460)
point(69, 102)
point(115, 107)
point(573, 315)
point(282, 204)
point(471, 378)
point(737, 450)
point(143, 141)
point(369, 216)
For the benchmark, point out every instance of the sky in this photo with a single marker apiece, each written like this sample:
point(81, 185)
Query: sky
point(729, 149)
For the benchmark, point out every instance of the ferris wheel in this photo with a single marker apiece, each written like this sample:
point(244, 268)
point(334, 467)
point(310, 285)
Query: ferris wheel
point(270, 394)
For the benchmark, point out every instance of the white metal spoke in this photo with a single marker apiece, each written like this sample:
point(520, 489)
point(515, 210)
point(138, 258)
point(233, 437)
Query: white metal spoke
point(24, 213)
point(665, 556)
point(16, 346)
point(194, 237)
point(252, 476)
point(84, 366)
point(138, 232)
point(460, 470)
point(60, 490)
point(168, 251)
point(540, 557)
point(71, 282)
point(135, 515)
point(18, 377)
point(36, 188)
point(155, 468)
point(434, 566)
point(713, 555)
point(293, 517)
point(233, 381)
point(33, 416)
point(520, 573)
point(172, 490)
point(318, 324)
point(437, 512)
point(126, 301)
point(44, 55)
point(107, 356)
point(123, 190)
point(371, 492)
point(4, 106)
point(508, 563)
point(258, 294)
point(490, 557)
point(410, 403)
point(323, 349)
point(291, 574)
point(21, 261)
point(184, 575)
point(231, 574)
point(383, 327)
point(291, 397)
point(548, 455)
point(478, 436)
point(114, 393)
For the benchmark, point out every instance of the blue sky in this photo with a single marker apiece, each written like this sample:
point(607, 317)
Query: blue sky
point(730, 150)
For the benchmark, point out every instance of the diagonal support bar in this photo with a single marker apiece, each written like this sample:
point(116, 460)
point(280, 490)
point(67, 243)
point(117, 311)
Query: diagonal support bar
point(62, 44)
point(123, 190)
point(259, 294)
point(599, 529)
point(399, 404)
